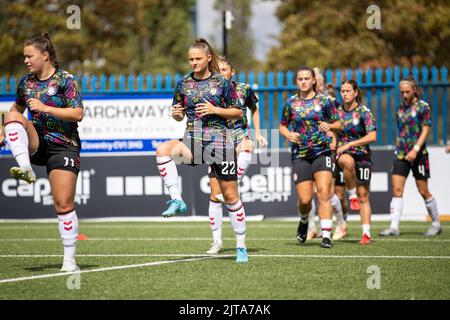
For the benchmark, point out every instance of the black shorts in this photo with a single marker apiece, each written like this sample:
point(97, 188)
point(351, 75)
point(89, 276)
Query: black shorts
point(304, 169)
point(338, 175)
point(363, 171)
point(420, 167)
point(221, 158)
point(56, 156)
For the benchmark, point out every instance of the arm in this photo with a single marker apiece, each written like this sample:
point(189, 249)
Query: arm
point(293, 137)
point(16, 107)
point(65, 114)
point(367, 139)
point(334, 126)
point(257, 125)
point(207, 108)
point(411, 156)
point(334, 141)
point(178, 112)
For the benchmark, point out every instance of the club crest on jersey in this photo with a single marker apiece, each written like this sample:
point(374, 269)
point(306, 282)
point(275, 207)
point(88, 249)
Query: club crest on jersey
point(241, 100)
point(28, 91)
point(213, 91)
point(51, 91)
point(317, 108)
point(355, 121)
point(413, 113)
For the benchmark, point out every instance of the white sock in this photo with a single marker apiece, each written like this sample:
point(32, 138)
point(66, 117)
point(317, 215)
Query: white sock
point(432, 209)
point(237, 219)
point(243, 161)
point(215, 220)
point(352, 193)
point(68, 228)
point(17, 139)
point(312, 216)
point(169, 173)
point(326, 225)
point(337, 209)
point(396, 212)
point(366, 229)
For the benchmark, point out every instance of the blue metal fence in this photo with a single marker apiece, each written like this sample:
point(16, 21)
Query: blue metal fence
point(379, 88)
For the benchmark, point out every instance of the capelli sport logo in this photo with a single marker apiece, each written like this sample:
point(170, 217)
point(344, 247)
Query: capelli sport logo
point(41, 191)
point(272, 185)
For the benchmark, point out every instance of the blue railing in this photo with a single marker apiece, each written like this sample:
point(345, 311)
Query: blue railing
point(379, 88)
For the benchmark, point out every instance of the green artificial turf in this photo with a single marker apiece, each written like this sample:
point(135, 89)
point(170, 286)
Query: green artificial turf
point(278, 268)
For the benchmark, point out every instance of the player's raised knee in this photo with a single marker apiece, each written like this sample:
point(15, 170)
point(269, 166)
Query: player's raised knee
point(15, 116)
point(163, 149)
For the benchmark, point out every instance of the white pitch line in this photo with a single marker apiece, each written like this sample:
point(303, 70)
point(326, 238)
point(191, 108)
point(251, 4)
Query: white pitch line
point(61, 274)
point(143, 255)
point(209, 239)
point(287, 225)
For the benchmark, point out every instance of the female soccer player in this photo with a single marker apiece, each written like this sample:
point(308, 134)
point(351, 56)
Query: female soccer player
point(353, 149)
point(413, 123)
point(336, 202)
point(311, 116)
point(244, 149)
point(50, 138)
point(209, 101)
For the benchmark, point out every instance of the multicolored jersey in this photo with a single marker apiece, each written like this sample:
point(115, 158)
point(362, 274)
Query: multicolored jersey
point(218, 91)
point(357, 123)
point(59, 91)
point(305, 115)
point(410, 121)
point(330, 133)
point(247, 99)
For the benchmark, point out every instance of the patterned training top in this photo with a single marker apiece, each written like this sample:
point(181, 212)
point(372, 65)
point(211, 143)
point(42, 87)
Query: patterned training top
point(218, 91)
point(357, 123)
point(304, 115)
point(60, 91)
point(410, 121)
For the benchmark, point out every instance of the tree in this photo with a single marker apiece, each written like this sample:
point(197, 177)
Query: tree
point(128, 36)
point(334, 34)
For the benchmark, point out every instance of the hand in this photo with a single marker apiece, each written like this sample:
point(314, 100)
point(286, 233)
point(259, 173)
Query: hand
point(411, 156)
point(205, 108)
point(177, 112)
point(333, 145)
point(324, 126)
point(447, 149)
point(294, 137)
point(262, 142)
point(37, 106)
point(343, 148)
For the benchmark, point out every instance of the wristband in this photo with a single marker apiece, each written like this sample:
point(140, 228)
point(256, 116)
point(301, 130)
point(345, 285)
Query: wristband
point(417, 148)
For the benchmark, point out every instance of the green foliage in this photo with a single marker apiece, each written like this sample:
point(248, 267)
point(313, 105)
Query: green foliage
point(128, 36)
point(334, 34)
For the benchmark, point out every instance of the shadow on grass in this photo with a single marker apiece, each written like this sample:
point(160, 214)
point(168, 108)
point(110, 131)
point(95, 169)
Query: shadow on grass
point(307, 243)
point(57, 267)
point(249, 250)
